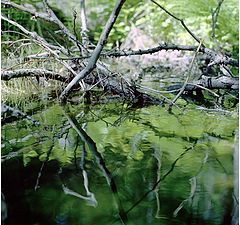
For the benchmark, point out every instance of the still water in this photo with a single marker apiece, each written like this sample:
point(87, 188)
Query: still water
point(111, 164)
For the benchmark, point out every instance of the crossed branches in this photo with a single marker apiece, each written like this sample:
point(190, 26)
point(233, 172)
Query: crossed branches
point(92, 58)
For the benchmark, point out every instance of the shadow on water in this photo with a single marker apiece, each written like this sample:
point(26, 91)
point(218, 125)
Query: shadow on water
point(112, 165)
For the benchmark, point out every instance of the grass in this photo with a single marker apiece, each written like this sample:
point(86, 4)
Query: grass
point(20, 91)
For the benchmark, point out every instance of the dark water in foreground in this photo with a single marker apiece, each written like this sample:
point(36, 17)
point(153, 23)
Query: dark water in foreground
point(142, 166)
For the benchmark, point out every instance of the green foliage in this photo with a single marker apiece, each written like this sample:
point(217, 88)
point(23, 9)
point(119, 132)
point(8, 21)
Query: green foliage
point(148, 17)
point(99, 11)
point(198, 17)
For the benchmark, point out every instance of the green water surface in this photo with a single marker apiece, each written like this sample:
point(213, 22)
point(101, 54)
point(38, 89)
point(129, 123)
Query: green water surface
point(149, 167)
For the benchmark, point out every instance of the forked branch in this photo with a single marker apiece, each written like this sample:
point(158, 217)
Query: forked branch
point(96, 53)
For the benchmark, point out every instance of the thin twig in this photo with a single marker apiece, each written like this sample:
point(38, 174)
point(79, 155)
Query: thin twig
point(181, 20)
point(189, 74)
point(43, 164)
point(74, 28)
point(215, 14)
point(158, 181)
point(35, 37)
point(156, 91)
point(50, 17)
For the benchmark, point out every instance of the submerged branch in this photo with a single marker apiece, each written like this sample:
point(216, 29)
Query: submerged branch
point(90, 198)
point(158, 181)
point(100, 162)
point(43, 164)
point(15, 113)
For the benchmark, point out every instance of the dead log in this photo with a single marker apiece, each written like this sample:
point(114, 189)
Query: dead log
point(112, 84)
point(10, 74)
point(206, 82)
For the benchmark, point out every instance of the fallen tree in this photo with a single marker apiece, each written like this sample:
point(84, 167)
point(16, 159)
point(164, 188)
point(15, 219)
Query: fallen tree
point(87, 68)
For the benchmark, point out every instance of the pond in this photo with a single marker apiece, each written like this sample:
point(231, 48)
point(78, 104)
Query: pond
point(111, 164)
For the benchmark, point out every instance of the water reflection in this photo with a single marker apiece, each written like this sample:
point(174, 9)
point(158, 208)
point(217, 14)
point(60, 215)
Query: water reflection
point(120, 167)
point(99, 160)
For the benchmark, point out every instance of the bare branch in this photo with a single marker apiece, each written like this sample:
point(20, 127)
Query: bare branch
point(216, 58)
point(176, 18)
point(50, 17)
point(96, 53)
point(51, 14)
point(74, 28)
point(189, 74)
point(215, 14)
point(7, 75)
point(219, 58)
point(84, 29)
point(28, 10)
point(209, 83)
point(41, 41)
point(33, 35)
point(222, 82)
